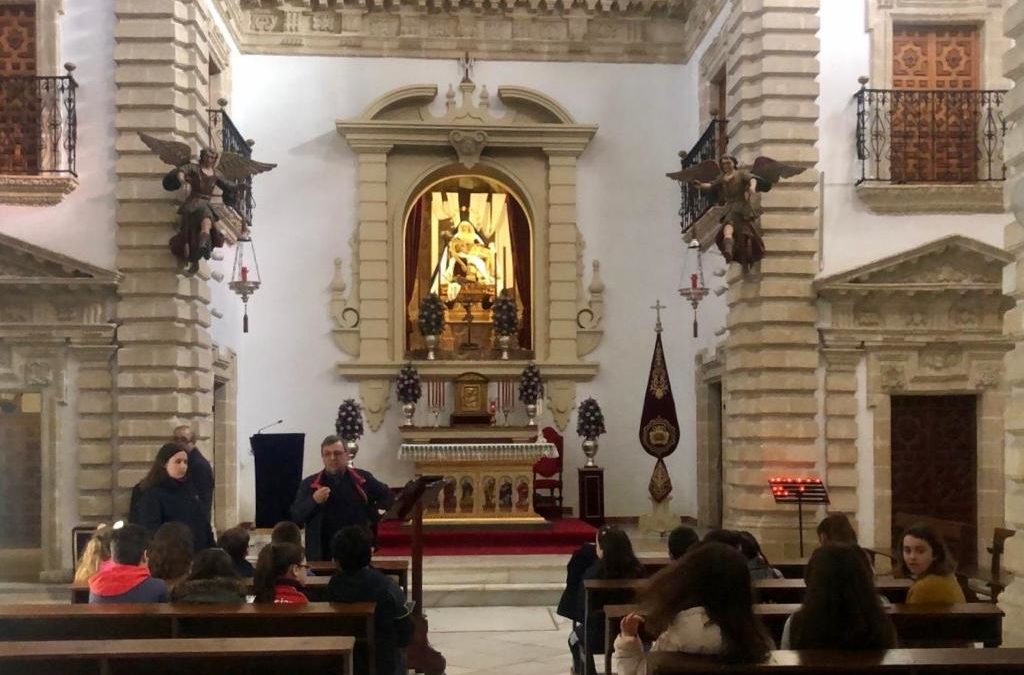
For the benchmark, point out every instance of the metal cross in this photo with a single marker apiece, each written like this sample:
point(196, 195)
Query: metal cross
point(466, 63)
point(657, 307)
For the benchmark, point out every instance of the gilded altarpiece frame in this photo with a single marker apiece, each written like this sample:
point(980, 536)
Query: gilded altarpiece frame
point(923, 322)
point(402, 147)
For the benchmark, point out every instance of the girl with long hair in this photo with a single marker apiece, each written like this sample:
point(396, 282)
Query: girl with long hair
point(211, 580)
point(164, 496)
point(701, 604)
point(96, 554)
point(280, 573)
point(615, 560)
point(841, 608)
point(925, 559)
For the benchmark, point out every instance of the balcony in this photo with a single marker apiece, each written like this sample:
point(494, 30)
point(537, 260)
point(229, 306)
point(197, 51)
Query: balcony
point(38, 138)
point(225, 137)
point(930, 150)
point(697, 210)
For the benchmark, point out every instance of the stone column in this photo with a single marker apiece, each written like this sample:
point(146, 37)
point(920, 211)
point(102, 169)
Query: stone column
point(164, 363)
point(95, 432)
point(1012, 600)
point(772, 348)
point(841, 428)
point(562, 258)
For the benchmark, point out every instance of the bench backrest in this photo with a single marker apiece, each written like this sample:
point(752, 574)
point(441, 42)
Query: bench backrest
point(932, 661)
point(315, 589)
point(322, 654)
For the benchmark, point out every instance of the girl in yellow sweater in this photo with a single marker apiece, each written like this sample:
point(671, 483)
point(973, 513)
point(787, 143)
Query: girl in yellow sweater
point(926, 560)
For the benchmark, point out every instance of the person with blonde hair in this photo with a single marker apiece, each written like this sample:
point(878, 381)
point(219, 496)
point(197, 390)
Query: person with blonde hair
point(96, 555)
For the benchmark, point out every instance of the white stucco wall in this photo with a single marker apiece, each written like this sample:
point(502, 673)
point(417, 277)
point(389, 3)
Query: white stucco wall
point(627, 215)
point(852, 235)
point(82, 226)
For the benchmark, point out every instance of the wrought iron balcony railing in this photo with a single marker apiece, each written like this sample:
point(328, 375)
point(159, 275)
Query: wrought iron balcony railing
point(930, 136)
point(38, 124)
point(694, 202)
point(225, 137)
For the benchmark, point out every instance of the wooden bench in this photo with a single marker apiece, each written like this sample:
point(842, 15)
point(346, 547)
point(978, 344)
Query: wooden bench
point(315, 589)
point(153, 621)
point(909, 661)
point(938, 624)
point(201, 656)
point(398, 569)
point(600, 592)
point(791, 569)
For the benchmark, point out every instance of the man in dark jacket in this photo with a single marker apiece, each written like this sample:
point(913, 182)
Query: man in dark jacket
point(356, 581)
point(337, 497)
point(200, 473)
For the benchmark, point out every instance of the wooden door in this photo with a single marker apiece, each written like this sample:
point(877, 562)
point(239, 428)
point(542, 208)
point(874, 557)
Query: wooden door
point(20, 477)
point(20, 132)
point(935, 110)
point(934, 461)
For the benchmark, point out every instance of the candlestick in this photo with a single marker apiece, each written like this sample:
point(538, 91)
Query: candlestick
point(245, 273)
point(693, 281)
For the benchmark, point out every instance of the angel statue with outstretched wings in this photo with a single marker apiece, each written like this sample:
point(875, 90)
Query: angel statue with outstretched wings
point(738, 236)
point(197, 235)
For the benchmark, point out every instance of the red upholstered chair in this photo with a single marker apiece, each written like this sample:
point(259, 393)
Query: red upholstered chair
point(547, 479)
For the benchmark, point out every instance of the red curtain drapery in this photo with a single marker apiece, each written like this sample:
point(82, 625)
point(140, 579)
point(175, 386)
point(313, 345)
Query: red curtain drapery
point(519, 231)
point(413, 230)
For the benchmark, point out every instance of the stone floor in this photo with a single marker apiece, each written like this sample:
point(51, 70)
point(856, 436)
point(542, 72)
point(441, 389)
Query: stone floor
point(512, 640)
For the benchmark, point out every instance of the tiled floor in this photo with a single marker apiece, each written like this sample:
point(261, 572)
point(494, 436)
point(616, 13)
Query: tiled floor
point(503, 640)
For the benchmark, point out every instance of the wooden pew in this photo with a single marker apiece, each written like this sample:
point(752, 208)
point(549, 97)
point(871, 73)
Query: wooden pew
point(315, 589)
point(938, 624)
point(601, 592)
point(399, 569)
point(791, 569)
point(109, 622)
point(902, 661)
point(202, 656)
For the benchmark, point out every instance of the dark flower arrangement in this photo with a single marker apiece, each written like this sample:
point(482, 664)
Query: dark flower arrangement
point(349, 424)
point(590, 420)
point(530, 385)
point(431, 319)
point(505, 314)
point(407, 384)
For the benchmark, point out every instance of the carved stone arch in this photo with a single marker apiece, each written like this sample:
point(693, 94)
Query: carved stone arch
point(401, 145)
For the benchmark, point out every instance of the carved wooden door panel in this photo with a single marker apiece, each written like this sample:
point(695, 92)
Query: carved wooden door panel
point(20, 478)
point(20, 132)
point(934, 460)
point(935, 112)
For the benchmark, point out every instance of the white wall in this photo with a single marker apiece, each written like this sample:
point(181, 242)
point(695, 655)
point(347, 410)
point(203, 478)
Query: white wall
point(627, 215)
point(82, 226)
point(852, 235)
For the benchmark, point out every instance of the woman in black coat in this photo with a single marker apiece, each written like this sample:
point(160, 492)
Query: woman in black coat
point(165, 497)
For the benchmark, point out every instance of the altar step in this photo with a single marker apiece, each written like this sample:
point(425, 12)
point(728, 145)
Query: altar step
point(494, 580)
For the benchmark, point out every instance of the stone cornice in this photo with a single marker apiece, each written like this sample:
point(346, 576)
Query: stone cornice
point(612, 31)
point(35, 190)
point(25, 266)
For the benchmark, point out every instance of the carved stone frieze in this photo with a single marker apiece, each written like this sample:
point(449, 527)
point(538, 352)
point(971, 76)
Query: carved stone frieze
point(468, 145)
point(561, 396)
point(344, 311)
point(376, 399)
point(35, 190)
point(539, 30)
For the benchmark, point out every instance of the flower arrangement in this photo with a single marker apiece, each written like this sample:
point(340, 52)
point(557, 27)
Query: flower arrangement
point(407, 384)
point(505, 314)
point(349, 424)
point(530, 385)
point(590, 420)
point(431, 319)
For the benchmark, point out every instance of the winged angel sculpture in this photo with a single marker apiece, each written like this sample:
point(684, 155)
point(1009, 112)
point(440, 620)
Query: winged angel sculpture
point(738, 236)
point(197, 235)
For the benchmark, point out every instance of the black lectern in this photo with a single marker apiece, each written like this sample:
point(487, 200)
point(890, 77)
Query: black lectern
point(278, 461)
point(422, 658)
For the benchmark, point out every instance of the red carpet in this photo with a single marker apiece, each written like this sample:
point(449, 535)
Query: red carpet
point(563, 536)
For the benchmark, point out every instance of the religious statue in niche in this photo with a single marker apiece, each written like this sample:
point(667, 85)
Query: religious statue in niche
point(522, 494)
point(468, 240)
point(449, 494)
point(505, 494)
point(466, 498)
point(197, 234)
point(738, 237)
point(489, 502)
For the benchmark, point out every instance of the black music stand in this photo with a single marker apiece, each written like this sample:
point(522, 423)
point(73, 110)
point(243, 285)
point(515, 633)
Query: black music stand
point(408, 505)
point(799, 491)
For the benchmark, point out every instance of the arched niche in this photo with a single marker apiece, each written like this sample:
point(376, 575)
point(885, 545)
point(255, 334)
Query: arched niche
point(401, 148)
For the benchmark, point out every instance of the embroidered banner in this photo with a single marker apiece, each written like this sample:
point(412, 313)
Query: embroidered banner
point(659, 425)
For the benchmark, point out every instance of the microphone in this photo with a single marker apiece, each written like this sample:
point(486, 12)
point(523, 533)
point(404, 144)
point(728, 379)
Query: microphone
point(272, 424)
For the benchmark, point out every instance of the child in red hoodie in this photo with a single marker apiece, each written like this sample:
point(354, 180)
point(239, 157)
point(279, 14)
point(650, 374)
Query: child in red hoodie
point(128, 579)
point(280, 572)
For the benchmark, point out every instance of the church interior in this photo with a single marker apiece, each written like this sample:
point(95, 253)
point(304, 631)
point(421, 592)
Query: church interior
point(438, 273)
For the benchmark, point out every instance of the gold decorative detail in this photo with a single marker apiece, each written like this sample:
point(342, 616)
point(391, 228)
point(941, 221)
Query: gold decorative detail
point(660, 485)
point(660, 433)
point(659, 377)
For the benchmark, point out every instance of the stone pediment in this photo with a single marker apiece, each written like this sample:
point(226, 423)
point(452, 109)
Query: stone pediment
point(953, 262)
point(26, 265)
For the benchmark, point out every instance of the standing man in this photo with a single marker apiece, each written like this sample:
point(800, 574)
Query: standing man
point(337, 497)
point(200, 473)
